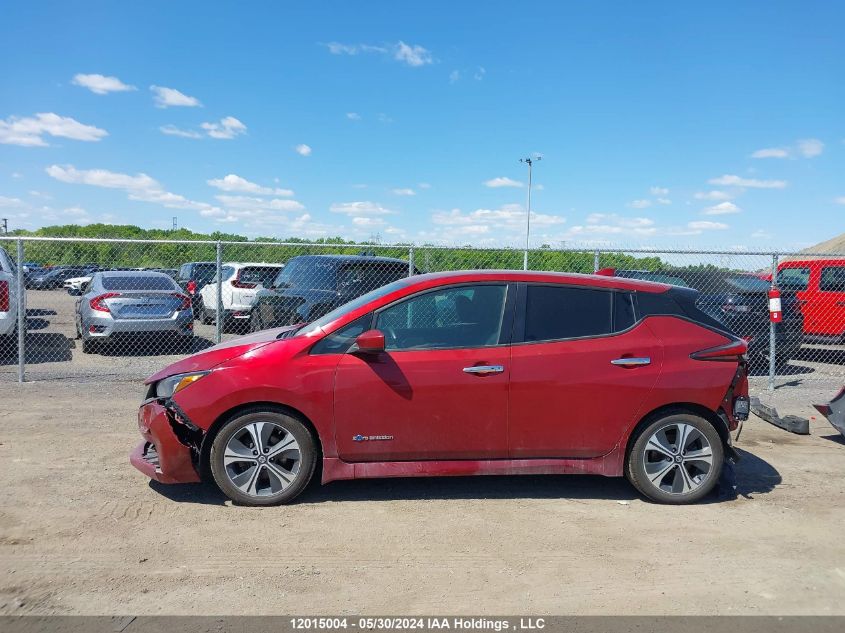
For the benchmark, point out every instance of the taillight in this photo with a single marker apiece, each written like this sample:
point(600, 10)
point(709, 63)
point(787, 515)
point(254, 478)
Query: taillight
point(237, 283)
point(733, 351)
point(98, 302)
point(191, 287)
point(186, 301)
point(4, 296)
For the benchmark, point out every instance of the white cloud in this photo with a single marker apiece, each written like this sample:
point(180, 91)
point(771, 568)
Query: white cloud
point(508, 221)
point(659, 191)
point(353, 116)
point(612, 224)
point(761, 234)
point(226, 128)
point(170, 97)
point(479, 73)
point(723, 208)
point(424, 185)
point(663, 201)
point(454, 76)
point(840, 200)
point(706, 225)
point(303, 150)
point(404, 192)
point(413, 55)
point(172, 130)
point(28, 132)
point(233, 182)
point(771, 152)
point(751, 183)
point(410, 54)
point(8, 203)
point(502, 181)
point(138, 187)
point(810, 147)
point(368, 222)
point(640, 204)
point(100, 84)
point(248, 203)
point(715, 194)
point(364, 207)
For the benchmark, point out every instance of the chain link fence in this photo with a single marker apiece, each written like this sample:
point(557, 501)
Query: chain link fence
point(122, 309)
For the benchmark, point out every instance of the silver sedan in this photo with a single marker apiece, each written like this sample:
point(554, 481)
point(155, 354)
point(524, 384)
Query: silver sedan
point(116, 304)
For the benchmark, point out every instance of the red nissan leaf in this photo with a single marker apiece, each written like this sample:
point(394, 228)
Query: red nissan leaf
point(460, 373)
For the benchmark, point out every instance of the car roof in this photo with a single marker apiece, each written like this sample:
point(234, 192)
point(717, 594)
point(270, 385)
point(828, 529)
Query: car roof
point(578, 279)
point(131, 273)
point(823, 261)
point(245, 264)
point(343, 259)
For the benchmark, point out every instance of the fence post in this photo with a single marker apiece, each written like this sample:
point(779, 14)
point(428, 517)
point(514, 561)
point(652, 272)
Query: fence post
point(411, 261)
point(596, 257)
point(21, 299)
point(772, 345)
point(218, 315)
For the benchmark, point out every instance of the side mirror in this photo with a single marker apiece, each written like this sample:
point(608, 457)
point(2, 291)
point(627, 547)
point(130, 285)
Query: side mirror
point(370, 342)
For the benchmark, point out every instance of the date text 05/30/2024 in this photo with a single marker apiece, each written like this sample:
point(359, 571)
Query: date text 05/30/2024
point(418, 623)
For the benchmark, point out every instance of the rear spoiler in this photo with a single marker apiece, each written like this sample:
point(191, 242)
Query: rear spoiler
point(606, 272)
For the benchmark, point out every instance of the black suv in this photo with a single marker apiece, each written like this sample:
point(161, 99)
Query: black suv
point(193, 277)
point(309, 286)
point(740, 302)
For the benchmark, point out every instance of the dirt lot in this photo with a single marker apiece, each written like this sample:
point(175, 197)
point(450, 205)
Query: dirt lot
point(82, 532)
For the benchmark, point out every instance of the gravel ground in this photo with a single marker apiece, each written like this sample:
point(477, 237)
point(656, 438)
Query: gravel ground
point(81, 532)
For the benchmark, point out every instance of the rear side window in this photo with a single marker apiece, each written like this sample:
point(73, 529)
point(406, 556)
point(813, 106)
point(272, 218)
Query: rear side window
point(623, 311)
point(560, 312)
point(263, 275)
point(138, 283)
point(832, 279)
point(793, 278)
point(363, 277)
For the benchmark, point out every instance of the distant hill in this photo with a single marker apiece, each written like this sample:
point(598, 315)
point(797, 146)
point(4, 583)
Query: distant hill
point(833, 245)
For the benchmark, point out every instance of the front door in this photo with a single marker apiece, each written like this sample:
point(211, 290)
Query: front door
point(440, 388)
point(830, 310)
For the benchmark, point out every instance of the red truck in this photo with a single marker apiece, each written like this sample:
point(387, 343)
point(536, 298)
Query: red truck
point(819, 286)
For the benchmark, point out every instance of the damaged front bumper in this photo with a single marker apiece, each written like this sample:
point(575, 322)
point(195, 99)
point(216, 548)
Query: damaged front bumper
point(170, 449)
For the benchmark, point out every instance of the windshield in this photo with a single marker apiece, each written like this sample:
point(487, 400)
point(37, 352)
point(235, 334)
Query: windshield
point(313, 273)
point(138, 283)
point(354, 305)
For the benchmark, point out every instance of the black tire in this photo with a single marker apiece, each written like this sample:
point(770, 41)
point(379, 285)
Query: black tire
point(635, 463)
point(256, 323)
point(90, 346)
point(198, 308)
point(206, 317)
point(308, 456)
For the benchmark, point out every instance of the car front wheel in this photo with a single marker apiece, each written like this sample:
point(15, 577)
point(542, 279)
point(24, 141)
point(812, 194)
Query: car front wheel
point(676, 459)
point(263, 458)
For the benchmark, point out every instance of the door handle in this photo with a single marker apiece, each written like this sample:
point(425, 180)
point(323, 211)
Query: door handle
point(484, 370)
point(631, 362)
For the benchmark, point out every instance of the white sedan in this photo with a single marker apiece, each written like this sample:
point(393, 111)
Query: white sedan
point(74, 284)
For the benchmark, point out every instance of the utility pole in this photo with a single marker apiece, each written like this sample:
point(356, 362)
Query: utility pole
point(175, 223)
point(5, 226)
point(530, 162)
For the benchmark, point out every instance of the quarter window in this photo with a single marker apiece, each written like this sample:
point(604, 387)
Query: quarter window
point(459, 317)
point(561, 312)
point(832, 279)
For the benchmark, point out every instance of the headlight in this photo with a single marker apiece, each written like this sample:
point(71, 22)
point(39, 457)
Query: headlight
point(166, 387)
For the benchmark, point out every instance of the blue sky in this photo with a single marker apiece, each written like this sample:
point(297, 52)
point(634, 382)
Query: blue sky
point(659, 123)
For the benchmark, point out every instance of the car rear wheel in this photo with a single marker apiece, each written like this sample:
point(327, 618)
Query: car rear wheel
point(676, 459)
point(263, 458)
point(256, 323)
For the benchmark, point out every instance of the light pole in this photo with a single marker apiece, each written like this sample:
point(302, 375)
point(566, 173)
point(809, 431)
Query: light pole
point(530, 162)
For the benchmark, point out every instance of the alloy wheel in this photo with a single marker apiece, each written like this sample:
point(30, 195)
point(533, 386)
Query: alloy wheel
point(262, 459)
point(678, 458)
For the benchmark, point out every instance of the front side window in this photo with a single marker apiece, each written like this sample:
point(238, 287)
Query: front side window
point(795, 279)
point(561, 312)
point(339, 341)
point(832, 279)
point(458, 317)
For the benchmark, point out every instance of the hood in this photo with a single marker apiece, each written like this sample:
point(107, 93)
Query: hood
point(219, 354)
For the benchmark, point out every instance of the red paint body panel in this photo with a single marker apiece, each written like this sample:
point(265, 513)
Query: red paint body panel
point(175, 458)
point(425, 401)
point(823, 311)
point(567, 400)
point(558, 407)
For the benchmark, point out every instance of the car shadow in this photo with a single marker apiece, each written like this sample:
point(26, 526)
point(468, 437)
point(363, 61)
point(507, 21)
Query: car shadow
point(749, 477)
point(821, 355)
point(153, 347)
point(786, 370)
point(836, 438)
point(40, 348)
point(38, 312)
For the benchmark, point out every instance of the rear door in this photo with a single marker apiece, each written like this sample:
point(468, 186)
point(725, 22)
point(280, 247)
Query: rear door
point(580, 369)
point(797, 277)
point(831, 300)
